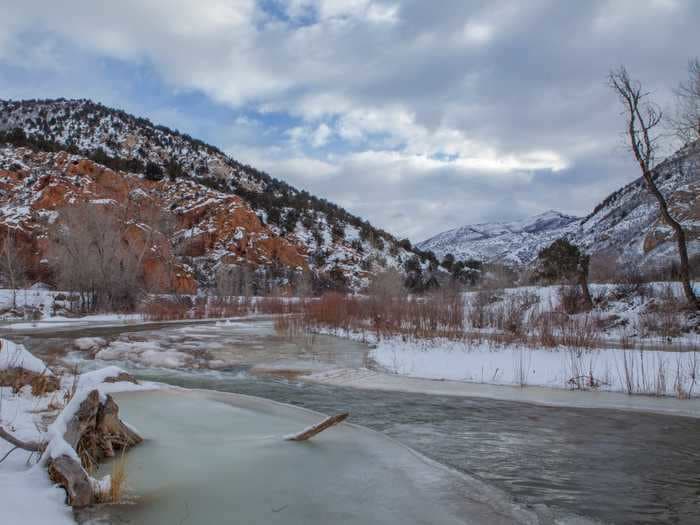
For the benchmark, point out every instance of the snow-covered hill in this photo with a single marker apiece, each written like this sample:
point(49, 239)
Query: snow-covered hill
point(511, 242)
point(54, 152)
point(625, 225)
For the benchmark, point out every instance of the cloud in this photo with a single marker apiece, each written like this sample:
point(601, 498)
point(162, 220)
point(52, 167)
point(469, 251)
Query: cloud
point(450, 112)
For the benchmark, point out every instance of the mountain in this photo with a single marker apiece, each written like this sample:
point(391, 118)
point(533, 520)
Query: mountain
point(512, 242)
point(55, 153)
point(625, 226)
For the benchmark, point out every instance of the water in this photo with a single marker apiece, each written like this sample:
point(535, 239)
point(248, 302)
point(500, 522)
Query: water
point(609, 465)
point(215, 458)
point(614, 466)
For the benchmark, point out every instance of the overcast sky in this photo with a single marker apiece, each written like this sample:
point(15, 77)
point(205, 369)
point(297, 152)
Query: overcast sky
point(420, 115)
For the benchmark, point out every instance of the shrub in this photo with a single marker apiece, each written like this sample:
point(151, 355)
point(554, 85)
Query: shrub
point(153, 171)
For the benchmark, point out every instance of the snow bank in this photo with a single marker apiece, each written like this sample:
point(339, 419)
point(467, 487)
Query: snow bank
point(27, 496)
point(614, 370)
point(15, 356)
point(89, 343)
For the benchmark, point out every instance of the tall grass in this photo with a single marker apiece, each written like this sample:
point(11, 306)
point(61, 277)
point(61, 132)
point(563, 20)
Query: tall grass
point(434, 315)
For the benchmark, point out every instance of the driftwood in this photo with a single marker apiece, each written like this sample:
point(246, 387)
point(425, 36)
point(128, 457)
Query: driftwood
point(69, 474)
point(95, 432)
point(320, 427)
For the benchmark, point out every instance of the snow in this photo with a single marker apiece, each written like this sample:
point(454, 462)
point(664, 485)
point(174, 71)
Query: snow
point(614, 370)
point(89, 343)
point(16, 356)
point(144, 353)
point(515, 242)
point(65, 322)
point(27, 496)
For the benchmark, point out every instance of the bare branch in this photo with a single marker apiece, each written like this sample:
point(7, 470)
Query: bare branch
point(30, 446)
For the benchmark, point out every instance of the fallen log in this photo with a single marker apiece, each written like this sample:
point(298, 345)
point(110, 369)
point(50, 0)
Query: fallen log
point(318, 428)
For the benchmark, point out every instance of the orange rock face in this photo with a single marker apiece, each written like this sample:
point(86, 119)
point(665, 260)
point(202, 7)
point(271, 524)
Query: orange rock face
point(160, 221)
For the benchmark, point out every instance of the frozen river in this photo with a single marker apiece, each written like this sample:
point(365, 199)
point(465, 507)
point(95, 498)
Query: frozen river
point(614, 466)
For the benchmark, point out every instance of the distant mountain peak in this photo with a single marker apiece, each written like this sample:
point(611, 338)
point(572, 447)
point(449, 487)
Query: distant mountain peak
point(513, 242)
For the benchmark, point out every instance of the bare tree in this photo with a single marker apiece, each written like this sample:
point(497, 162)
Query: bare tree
point(643, 117)
point(386, 285)
point(12, 266)
point(232, 282)
point(686, 121)
point(90, 257)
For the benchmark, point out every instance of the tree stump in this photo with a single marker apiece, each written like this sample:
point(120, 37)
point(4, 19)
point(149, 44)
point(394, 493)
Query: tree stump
point(94, 432)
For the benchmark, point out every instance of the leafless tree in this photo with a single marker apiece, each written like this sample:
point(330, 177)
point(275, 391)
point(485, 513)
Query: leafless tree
point(233, 281)
point(643, 117)
point(303, 287)
point(386, 285)
point(686, 121)
point(12, 266)
point(90, 257)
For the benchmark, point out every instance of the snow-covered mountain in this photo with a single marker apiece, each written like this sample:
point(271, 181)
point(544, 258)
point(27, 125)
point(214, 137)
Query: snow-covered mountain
point(625, 225)
point(54, 153)
point(516, 242)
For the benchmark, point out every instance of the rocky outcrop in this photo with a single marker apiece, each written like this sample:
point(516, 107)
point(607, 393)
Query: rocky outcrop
point(226, 210)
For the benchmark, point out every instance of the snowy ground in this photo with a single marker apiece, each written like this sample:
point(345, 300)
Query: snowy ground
point(27, 495)
point(614, 370)
point(646, 372)
point(644, 315)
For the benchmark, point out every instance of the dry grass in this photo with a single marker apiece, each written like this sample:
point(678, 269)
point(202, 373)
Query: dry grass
point(114, 492)
point(435, 315)
point(41, 383)
point(118, 479)
point(162, 309)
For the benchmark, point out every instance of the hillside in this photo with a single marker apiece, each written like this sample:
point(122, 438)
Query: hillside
point(54, 153)
point(624, 226)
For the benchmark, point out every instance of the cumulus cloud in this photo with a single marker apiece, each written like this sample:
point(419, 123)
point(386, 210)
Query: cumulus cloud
point(452, 111)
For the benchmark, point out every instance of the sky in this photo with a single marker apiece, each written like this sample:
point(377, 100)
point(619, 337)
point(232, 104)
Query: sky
point(418, 115)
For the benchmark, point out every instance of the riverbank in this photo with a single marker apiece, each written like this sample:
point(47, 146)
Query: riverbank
point(36, 413)
point(657, 373)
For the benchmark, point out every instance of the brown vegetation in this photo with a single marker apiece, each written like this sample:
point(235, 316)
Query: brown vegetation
point(432, 315)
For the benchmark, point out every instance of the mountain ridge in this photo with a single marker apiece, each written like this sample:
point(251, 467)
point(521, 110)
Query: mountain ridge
point(624, 226)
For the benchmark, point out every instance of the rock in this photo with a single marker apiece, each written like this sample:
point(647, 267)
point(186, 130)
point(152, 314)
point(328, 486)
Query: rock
point(122, 377)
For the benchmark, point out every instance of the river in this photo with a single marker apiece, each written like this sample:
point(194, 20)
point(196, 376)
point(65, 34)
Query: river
point(612, 466)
